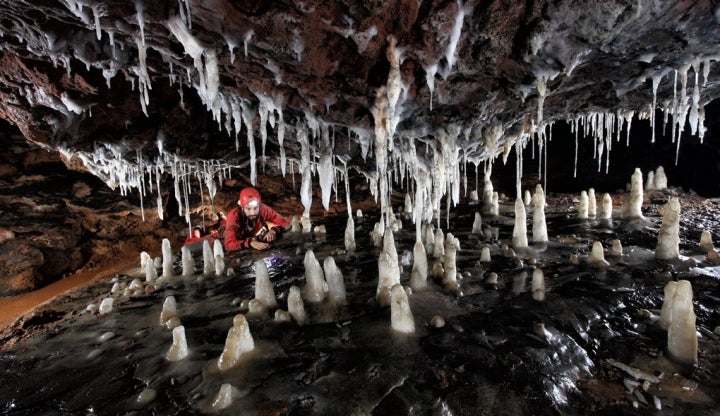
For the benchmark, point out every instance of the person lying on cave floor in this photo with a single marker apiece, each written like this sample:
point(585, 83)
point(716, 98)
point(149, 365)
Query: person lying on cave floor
point(252, 224)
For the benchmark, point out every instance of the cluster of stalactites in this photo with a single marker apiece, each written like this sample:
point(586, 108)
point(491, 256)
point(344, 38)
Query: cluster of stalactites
point(441, 172)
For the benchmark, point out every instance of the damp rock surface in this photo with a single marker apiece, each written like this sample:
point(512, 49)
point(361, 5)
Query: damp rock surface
point(579, 352)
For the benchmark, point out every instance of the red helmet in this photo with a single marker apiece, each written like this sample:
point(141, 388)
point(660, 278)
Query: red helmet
point(249, 197)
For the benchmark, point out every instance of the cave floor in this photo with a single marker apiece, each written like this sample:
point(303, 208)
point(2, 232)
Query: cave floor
point(489, 358)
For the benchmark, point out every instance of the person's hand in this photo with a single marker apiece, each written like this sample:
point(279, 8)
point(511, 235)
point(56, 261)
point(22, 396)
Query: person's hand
point(259, 245)
point(270, 236)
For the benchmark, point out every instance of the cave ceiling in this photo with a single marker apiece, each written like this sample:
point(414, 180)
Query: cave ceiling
point(123, 85)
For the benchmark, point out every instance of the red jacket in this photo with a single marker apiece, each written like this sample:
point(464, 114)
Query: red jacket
point(237, 235)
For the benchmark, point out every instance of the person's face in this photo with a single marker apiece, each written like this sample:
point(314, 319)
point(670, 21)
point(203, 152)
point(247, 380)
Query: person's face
point(251, 212)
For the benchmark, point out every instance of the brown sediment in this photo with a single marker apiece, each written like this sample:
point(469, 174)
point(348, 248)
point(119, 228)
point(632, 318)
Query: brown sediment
point(12, 308)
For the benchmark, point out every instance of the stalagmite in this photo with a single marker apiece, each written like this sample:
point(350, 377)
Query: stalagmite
point(473, 196)
point(660, 179)
point(169, 309)
point(401, 318)
point(477, 224)
point(179, 348)
point(597, 255)
point(606, 207)
point(208, 259)
point(616, 249)
point(668, 245)
point(296, 307)
point(706, 242)
point(485, 255)
point(264, 291)
point(315, 288)
point(650, 181)
point(106, 306)
point(495, 204)
point(350, 235)
point(450, 273)
point(527, 198)
point(519, 235)
point(188, 263)
point(150, 272)
point(582, 211)
point(682, 336)
point(224, 397)
point(538, 285)
point(491, 278)
point(487, 194)
point(239, 341)
point(418, 275)
point(167, 259)
point(632, 206)
point(144, 259)
point(335, 282)
point(219, 266)
point(539, 227)
point(592, 203)
point(439, 244)
point(408, 204)
point(667, 305)
point(257, 309)
point(295, 224)
point(388, 269)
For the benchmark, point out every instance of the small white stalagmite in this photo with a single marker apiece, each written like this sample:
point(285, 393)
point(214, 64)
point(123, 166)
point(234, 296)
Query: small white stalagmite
point(477, 224)
point(169, 309)
point(666, 310)
point(419, 273)
point(527, 198)
point(167, 259)
point(606, 207)
point(224, 397)
point(582, 211)
point(335, 282)
point(208, 259)
point(539, 227)
point(597, 255)
point(264, 291)
point(616, 249)
point(439, 244)
point(401, 317)
point(495, 204)
point(682, 335)
point(239, 341)
point(144, 259)
point(408, 204)
point(188, 263)
point(706, 242)
point(592, 203)
point(660, 179)
point(632, 206)
point(388, 269)
point(650, 181)
point(538, 285)
point(150, 272)
point(296, 307)
point(519, 235)
point(350, 235)
point(315, 285)
point(219, 266)
point(179, 348)
point(668, 245)
point(485, 255)
point(450, 273)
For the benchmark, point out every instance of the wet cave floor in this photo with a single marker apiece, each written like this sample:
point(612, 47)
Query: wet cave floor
point(489, 358)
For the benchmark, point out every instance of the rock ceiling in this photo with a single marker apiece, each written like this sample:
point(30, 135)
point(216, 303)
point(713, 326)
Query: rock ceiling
point(130, 86)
